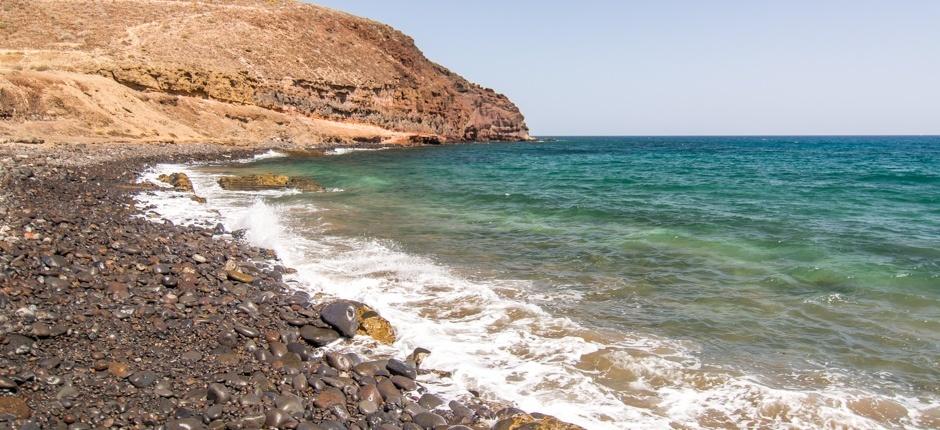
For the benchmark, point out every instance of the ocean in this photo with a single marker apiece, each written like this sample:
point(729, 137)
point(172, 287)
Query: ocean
point(632, 282)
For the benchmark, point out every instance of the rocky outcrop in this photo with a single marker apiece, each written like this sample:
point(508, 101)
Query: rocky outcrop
point(267, 182)
point(180, 181)
point(282, 57)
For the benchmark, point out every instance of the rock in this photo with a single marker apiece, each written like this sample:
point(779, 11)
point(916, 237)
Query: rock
point(404, 383)
point(119, 369)
point(235, 275)
point(246, 331)
point(528, 422)
point(290, 403)
point(373, 325)
point(398, 367)
point(389, 392)
point(418, 355)
point(142, 379)
point(54, 261)
point(429, 420)
point(368, 406)
point(180, 181)
point(318, 336)
point(14, 406)
point(275, 418)
point(430, 401)
point(185, 424)
point(267, 182)
point(218, 394)
point(7, 383)
point(338, 361)
point(328, 398)
point(304, 184)
point(341, 315)
point(199, 258)
point(254, 182)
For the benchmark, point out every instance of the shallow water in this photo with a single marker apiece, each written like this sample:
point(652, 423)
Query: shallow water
point(698, 282)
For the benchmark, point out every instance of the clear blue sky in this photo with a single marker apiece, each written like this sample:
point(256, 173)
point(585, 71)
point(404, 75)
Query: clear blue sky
point(690, 67)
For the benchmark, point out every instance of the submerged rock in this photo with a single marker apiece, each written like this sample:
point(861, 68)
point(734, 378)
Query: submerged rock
point(267, 182)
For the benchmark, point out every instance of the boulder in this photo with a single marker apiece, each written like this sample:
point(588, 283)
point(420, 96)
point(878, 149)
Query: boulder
point(373, 325)
point(180, 181)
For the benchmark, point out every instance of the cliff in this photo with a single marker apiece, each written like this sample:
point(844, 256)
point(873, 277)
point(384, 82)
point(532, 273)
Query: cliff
point(236, 70)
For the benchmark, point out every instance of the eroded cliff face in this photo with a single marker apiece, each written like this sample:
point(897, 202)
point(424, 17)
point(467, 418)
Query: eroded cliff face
point(281, 57)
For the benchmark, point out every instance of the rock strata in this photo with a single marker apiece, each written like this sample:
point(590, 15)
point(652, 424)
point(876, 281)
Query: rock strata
point(231, 71)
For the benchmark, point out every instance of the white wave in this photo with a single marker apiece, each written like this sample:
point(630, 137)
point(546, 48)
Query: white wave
point(265, 155)
point(497, 342)
point(341, 151)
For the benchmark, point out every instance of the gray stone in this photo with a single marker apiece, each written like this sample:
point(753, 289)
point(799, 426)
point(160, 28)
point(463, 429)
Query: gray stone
point(341, 316)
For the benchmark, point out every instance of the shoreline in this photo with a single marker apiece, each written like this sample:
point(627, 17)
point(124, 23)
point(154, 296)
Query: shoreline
point(115, 321)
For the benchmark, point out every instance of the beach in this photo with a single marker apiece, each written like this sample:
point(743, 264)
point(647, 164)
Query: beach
point(115, 321)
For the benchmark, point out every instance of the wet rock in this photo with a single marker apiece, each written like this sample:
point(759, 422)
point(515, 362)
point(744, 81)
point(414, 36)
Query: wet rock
point(180, 181)
point(398, 367)
point(341, 316)
point(428, 420)
point(404, 383)
point(235, 275)
point(267, 182)
point(373, 325)
point(328, 398)
point(430, 401)
point(318, 336)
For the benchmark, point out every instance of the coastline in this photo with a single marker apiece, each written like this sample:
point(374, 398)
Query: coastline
point(115, 322)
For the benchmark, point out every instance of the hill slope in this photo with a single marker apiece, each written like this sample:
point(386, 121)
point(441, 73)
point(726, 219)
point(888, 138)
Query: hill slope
point(229, 70)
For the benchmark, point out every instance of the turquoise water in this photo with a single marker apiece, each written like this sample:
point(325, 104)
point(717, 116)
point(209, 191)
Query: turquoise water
point(804, 263)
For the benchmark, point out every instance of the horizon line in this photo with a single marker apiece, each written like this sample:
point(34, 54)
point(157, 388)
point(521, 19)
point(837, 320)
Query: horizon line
point(735, 135)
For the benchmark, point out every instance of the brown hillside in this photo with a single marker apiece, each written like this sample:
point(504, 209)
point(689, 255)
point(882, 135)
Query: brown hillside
point(228, 70)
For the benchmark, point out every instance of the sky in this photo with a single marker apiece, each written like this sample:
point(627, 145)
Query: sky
point(673, 67)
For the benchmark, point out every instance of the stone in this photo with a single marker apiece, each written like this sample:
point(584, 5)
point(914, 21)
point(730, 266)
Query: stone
point(398, 367)
point(328, 398)
point(246, 331)
point(274, 418)
point(368, 406)
point(373, 325)
point(430, 401)
point(267, 182)
point(218, 394)
point(185, 424)
point(180, 181)
point(429, 420)
point(289, 403)
point(15, 406)
point(318, 336)
point(142, 379)
point(341, 316)
point(235, 275)
point(389, 392)
point(404, 383)
point(119, 369)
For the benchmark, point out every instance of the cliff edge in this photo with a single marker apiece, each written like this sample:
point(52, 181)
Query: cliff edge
point(229, 71)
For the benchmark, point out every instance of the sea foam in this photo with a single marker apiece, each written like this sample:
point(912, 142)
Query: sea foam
point(498, 343)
